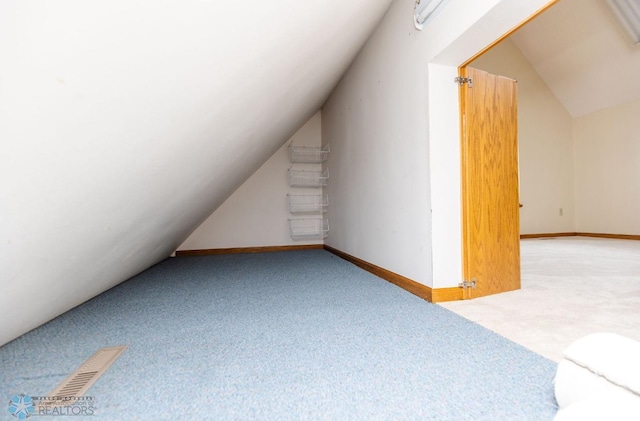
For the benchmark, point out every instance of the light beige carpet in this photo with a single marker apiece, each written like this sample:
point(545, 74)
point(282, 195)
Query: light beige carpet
point(571, 286)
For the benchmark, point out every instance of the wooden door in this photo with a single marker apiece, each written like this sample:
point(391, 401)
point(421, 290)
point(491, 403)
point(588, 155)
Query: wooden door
point(490, 208)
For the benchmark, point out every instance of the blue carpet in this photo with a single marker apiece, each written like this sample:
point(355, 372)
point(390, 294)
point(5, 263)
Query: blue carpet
point(292, 335)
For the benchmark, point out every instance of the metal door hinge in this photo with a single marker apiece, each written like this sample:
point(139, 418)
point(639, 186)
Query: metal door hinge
point(466, 284)
point(462, 80)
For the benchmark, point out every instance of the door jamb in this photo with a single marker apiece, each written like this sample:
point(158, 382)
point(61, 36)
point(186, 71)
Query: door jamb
point(509, 33)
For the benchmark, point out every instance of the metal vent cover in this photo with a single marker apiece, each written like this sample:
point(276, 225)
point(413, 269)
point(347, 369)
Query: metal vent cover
point(78, 382)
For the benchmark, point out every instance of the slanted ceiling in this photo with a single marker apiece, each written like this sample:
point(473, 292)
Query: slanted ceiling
point(583, 54)
point(125, 123)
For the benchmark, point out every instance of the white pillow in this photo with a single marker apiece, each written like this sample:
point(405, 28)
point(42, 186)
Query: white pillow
point(600, 410)
point(609, 355)
point(574, 383)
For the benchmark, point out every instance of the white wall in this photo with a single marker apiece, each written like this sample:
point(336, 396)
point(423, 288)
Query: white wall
point(124, 124)
point(256, 214)
point(379, 121)
point(445, 175)
point(545, 135)
point(607, 170)
point(376, 125)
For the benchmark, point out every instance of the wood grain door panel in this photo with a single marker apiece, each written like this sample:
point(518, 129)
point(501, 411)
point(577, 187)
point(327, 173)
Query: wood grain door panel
point(491, 225)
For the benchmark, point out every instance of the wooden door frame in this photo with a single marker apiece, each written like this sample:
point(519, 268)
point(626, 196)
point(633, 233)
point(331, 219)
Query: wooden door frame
point(462, 72)
point(507, 34)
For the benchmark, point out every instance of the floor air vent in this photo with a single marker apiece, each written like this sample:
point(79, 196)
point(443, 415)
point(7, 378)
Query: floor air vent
point(78, 382)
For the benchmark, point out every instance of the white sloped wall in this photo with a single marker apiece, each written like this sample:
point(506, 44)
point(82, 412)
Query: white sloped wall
point(124, 124)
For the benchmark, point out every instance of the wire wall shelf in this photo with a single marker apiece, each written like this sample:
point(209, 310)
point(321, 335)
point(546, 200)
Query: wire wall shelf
point(308, 228)
point(302, 178)
point(308, 203)
point(308, 154)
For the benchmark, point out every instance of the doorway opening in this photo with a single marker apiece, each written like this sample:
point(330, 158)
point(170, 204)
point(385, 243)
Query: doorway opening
point(490, 180)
